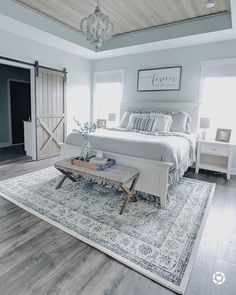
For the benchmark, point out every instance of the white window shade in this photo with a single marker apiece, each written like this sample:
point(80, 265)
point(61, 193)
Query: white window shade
point(219, 96)
point(108, 94)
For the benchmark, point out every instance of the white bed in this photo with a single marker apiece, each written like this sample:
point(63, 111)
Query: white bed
point(154, 174)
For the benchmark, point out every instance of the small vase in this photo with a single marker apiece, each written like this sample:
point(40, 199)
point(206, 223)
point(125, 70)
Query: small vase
point(86, 150)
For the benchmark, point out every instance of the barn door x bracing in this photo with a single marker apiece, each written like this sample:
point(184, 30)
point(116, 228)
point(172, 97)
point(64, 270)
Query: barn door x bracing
point(50, 112)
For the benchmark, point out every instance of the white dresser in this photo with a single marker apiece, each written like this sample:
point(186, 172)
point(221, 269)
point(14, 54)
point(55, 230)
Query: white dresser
point(215, 156)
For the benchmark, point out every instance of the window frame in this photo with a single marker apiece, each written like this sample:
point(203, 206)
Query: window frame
point(96, 73)
point(203, 75)
point(204, 66)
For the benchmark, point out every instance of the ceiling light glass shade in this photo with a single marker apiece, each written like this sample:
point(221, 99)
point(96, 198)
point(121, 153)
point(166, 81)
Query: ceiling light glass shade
point(210, 3)
point(97, 27)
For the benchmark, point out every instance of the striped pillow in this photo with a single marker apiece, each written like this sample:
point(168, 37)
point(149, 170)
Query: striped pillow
point(143, 124)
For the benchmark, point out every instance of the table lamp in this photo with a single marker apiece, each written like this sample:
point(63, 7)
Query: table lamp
point(204, 125)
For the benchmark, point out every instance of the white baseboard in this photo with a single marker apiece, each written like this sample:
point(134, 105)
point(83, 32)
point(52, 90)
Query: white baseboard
point(233, 171)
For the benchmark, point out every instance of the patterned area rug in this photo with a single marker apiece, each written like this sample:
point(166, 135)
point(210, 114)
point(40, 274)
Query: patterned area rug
point(160, 244)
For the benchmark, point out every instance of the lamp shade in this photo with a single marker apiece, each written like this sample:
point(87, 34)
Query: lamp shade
point(111, 117)
point(205, 123)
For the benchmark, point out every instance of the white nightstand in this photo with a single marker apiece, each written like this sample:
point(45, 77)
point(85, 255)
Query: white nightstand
point(215, 156)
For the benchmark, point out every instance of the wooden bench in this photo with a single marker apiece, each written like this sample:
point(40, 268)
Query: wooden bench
point(124, 177)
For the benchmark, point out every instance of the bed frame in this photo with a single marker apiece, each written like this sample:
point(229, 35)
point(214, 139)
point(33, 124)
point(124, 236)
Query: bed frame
point(153, 174)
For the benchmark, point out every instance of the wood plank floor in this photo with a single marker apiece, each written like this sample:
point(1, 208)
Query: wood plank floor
point(37, 258)
point(13, 154)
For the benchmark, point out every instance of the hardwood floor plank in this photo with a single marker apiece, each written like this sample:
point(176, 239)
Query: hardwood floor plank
point(10, 252)
point(19, 168)
point(23, 275)
point(125, 279)
point(74, 273)
point(21, 226)
point(106, 280)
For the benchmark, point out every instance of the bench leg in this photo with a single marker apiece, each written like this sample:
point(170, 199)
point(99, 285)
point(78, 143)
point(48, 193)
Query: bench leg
point(129, 194)
point(66, 175)
point(125, 204)
point(63, 178)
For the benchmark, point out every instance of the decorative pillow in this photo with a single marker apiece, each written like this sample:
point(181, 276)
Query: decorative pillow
point(144, 124)
point(163, 122)
point(125, 120)
point(180, 120)
point(188, 126)
point(133, 116)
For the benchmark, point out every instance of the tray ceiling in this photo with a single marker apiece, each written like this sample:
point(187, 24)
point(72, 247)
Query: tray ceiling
point(127, 15)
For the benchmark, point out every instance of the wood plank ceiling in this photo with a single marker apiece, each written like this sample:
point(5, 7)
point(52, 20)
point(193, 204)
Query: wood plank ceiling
point(127, 15)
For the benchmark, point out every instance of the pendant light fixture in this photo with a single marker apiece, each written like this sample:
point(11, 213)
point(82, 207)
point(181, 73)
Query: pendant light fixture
point(97, 27)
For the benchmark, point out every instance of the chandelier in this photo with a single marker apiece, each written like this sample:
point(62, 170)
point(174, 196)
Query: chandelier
point(97, 27)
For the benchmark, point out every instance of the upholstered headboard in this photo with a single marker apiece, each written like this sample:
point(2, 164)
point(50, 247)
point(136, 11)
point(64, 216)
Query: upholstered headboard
point(191, 108)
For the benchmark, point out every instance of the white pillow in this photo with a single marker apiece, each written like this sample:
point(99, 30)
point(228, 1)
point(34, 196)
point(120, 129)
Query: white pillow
point(125, 120)
point(133, 116)
point(181, 122)
point(163, 122)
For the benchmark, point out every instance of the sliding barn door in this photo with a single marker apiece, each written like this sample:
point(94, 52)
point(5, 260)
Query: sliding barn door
point(50, 112)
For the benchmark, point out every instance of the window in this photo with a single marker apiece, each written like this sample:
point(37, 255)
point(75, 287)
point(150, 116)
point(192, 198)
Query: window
point(108, 94)
point(219, 97)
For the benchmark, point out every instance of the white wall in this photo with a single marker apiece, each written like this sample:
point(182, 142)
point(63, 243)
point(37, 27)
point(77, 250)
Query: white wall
point(189, 58)
point(79, 70)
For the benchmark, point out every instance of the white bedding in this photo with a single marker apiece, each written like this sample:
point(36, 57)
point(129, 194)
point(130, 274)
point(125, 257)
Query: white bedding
point(172, 147)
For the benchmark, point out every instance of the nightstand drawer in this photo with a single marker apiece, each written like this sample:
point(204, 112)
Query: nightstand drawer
point(214, 149)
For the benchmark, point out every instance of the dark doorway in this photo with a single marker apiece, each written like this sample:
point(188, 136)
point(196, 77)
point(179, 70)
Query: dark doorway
point(20, 109)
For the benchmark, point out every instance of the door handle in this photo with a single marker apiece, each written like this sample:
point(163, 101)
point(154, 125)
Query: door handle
point(37, 122)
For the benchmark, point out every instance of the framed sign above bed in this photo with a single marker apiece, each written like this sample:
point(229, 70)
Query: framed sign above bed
point(159, 79)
